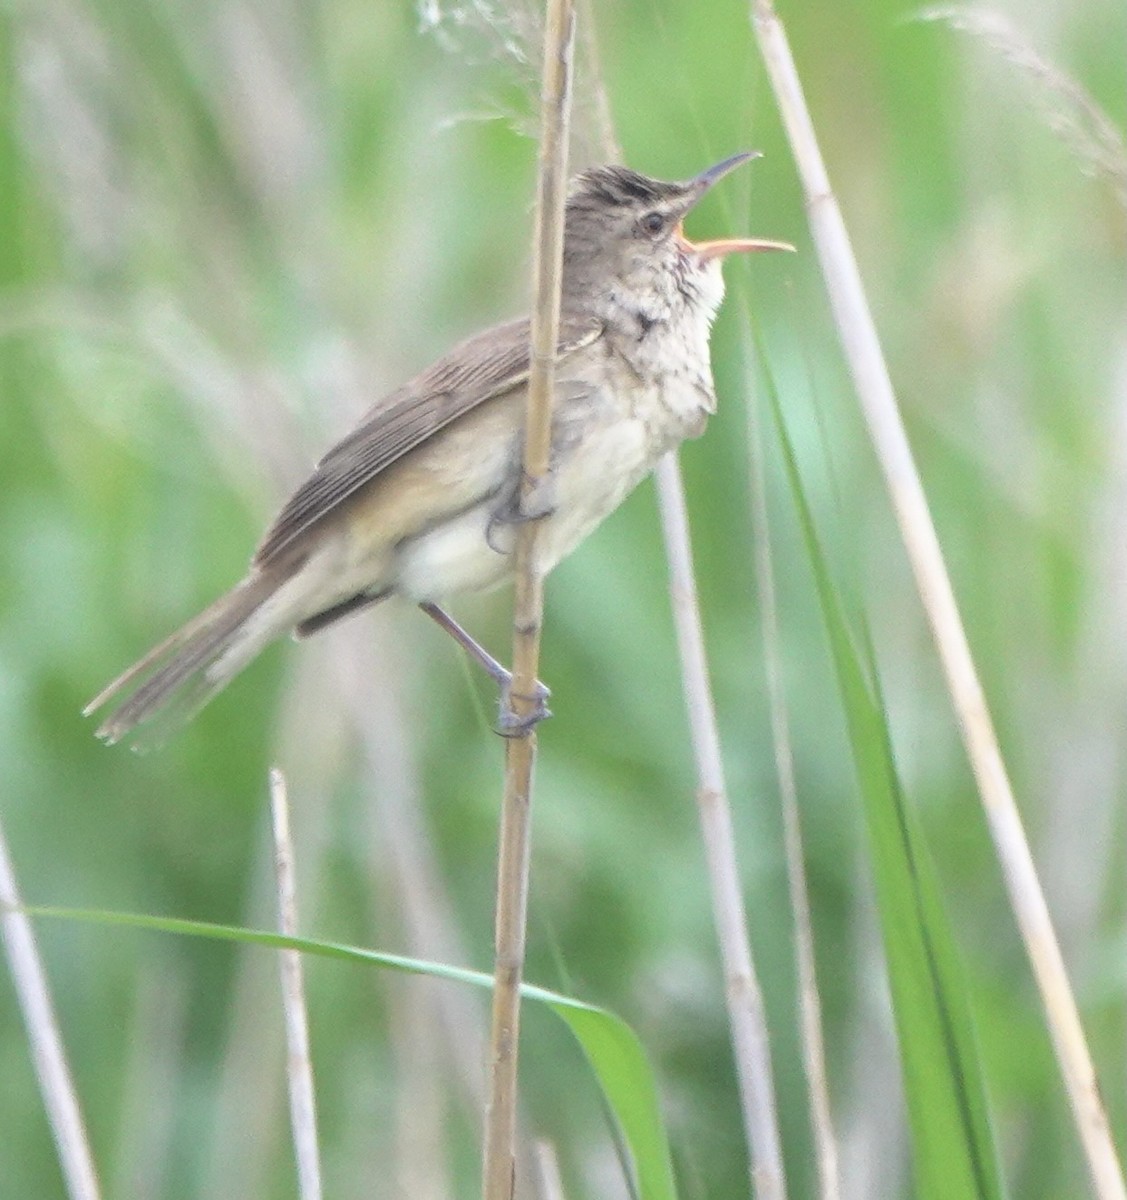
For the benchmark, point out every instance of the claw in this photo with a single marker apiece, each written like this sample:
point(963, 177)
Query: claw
point(510, 724)
point(539, 501)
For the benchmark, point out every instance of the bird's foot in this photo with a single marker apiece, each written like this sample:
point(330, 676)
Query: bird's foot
point(510, 723)
point(538, 501)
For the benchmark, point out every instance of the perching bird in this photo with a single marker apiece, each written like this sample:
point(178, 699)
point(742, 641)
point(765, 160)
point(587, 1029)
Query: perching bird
point(420, 500)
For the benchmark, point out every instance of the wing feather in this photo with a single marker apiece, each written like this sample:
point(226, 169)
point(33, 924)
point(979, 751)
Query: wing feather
point(476, 370)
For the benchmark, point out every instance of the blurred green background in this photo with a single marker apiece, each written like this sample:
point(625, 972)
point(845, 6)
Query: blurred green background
point(225, 228)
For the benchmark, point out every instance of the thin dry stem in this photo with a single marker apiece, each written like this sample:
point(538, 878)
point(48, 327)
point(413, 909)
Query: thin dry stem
point(55, 1082)
point(810, 1005)
point(548, 1170)
point(299, 1067)
point(870, 376)
point(747, 1018)
point(750, 1038)
point(515, 844)
point(603, 115)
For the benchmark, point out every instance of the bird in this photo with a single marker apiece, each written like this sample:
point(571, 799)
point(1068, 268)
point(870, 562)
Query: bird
point(422, 498)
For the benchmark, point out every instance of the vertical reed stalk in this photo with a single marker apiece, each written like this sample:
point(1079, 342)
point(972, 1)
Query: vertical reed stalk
point(515, 843)
point(299, 1066)
point(751, 1041)
point(886, 428)
point(746, 1016)
point(55, 1080)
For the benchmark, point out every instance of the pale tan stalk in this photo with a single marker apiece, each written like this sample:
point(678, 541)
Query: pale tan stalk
point(55, 1081)
point(878, 401)
point(751, 1043)
point(299, 1067)
point(514, 851)
point(548, 1171)
point(750, 1038)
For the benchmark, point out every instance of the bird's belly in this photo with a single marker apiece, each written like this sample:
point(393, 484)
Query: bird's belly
point(598, 458)
point(456, 556)
point(466, 553)
point(591, 480)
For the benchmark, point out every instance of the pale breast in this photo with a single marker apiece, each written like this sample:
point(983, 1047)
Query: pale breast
point(607, 442)
point(618, 409)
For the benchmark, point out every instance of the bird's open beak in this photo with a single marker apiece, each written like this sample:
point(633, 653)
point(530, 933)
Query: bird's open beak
point(723, 246)
point(706, 179)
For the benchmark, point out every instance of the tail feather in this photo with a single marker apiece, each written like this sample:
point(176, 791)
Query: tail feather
point(178, 677)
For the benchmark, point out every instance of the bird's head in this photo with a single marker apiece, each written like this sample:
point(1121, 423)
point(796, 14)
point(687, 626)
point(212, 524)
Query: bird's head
point(624, 244)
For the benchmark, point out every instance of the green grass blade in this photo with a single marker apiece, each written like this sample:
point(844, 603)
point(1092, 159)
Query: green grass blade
point(953, 1145)
point(610, 1046)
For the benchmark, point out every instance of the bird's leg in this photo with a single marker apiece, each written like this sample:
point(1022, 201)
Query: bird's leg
point(509, 724)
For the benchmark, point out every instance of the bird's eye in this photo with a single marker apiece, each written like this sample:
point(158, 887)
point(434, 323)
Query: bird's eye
point(653, 222)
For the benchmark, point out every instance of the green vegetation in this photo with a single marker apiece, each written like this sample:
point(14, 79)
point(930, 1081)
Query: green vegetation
point(224, 230)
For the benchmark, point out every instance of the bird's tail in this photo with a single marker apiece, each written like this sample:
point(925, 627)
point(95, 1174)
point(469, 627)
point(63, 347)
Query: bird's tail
point(178, 677)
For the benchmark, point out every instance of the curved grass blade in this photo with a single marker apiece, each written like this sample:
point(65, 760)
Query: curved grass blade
point(610, 1046)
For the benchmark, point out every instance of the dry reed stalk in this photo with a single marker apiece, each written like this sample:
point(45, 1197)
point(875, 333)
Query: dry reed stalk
point(750, 1038)
point(878, 401)
point(746, 1016)
point(55, 1081)
point(548, 1171)
point(299, 1067)
point(514, 851)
